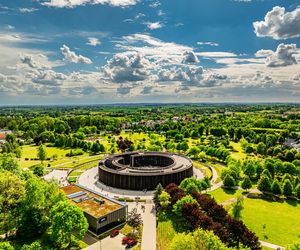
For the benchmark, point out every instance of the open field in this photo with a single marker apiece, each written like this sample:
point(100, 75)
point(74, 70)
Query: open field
point(238, 152)
point(222, 194)
point(62, 161)
point(274, 222)
point(168, 226)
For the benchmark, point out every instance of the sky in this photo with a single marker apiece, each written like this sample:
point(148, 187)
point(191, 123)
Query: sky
point(149, 51)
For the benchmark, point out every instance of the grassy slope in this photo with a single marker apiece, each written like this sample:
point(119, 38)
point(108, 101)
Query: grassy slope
point(222, 194)
point(282, 220)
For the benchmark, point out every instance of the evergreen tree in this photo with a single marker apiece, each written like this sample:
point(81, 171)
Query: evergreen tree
point(229, 181)
point(157, 193)
point(264, 184)
point(287, 188)
point(276, 188)
point(246, 183)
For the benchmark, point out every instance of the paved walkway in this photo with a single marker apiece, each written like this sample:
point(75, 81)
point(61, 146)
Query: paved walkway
point(59, 175)
point(90, 179)
point(270, 245)
point(149, 224)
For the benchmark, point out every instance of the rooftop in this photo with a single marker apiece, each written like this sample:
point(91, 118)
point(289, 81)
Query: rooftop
point(90, 201)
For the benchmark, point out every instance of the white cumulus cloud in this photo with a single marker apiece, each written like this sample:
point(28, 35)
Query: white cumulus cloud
point(154, 25)
point(283, 56)
point(279, 24)
point(72, 57)
point(93, 41)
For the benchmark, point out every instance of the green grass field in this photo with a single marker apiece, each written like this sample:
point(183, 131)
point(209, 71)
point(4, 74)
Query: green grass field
point(168, 226)
point(281, 220)
point(62, 161)
point(205, 170)
point(222, 194)
point(238, 152)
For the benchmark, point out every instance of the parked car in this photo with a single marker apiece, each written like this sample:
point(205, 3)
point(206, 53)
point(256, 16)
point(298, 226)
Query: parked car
point(131, 243)
point(125, 240)
point(114, 233)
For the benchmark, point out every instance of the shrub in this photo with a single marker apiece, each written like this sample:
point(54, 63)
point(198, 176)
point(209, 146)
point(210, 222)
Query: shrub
point(177, 208)
point(264, 184)
point(246, 183)
point(276, 188)
point(229, 181)
point(287, 188)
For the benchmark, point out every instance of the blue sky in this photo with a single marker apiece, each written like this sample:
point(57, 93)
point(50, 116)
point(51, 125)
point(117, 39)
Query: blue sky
point(118, 51)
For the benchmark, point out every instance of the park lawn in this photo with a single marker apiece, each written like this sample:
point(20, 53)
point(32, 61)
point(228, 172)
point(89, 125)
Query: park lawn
point(30, 151)
point(167, 227)
point(281, 220)
point(238, 152)
point(62, 161)
point(165, 232)
point(224, 194)
point(205, 170)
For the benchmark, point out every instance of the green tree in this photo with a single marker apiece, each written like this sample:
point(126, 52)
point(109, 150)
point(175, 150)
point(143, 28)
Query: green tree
point(237, 207)
point(8, 162)
point(65, 220)
point(11, 193)
point(264, 184)
point(41, 153)
point(6, 246)
point(182, 241)
point(39, 170)
point(297, 191)
point(157, 193)
point(134, 219)
point(229, 181)
point(287, 188)
point(40, 197)
point(261, 148)
point(194, 151)
point(207, 240)
point(246, 183)
point(276, 188)
point(33, 246)
point(164, 199)
point(177, 207)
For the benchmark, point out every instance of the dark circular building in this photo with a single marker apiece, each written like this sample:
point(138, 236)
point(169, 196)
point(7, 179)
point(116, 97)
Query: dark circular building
point(144, 170)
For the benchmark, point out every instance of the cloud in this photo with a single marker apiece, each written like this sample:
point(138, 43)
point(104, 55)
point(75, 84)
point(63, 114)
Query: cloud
point(27, 10)
point(28, 60)
point(85, 90)
point(155, 4)
point(75, 3)
point(279, 24)
point(283, 56)
point(72, 57)
point(189, 57)
point(46, 77)
point(154, 25)
point(93, 41)
point(127, 67)
point(153, 48)
point(216, 54)
point(264, 53)
point(123, 90)
point(208, 43)
point(147, 90)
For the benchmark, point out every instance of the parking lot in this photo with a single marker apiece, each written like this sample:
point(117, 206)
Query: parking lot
point(109, 244)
